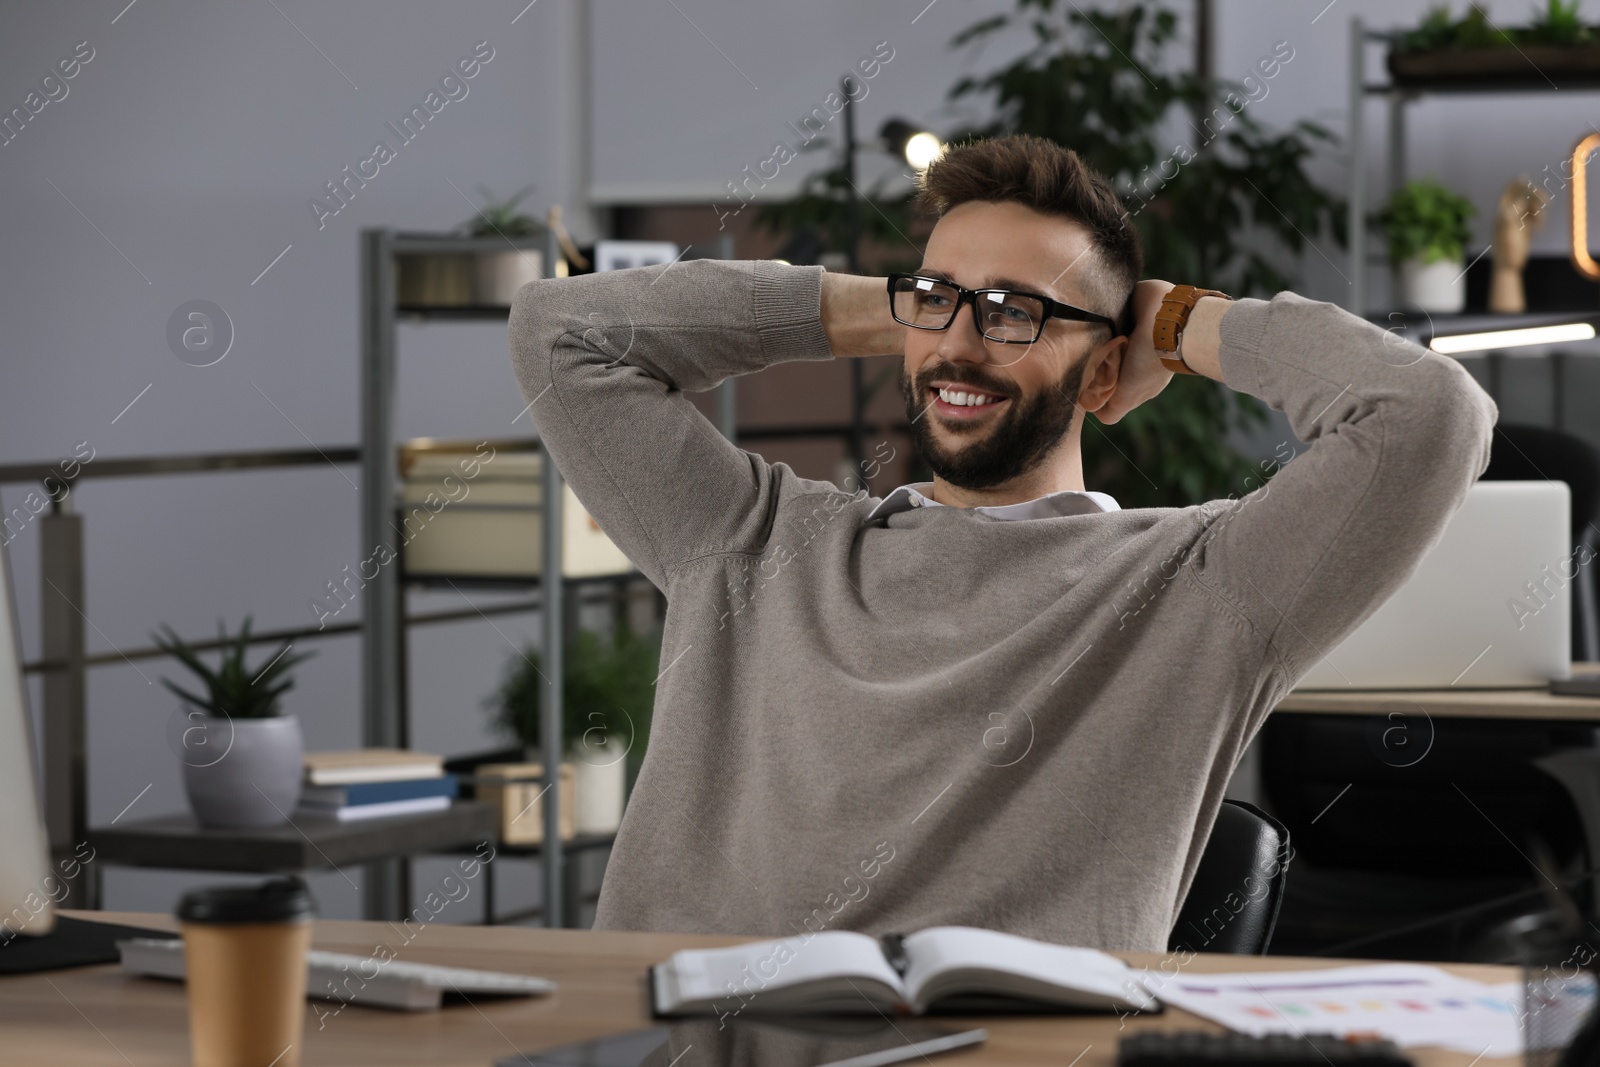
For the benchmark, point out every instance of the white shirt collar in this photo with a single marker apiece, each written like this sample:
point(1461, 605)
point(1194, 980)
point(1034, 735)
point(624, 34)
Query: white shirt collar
point(1062, 502)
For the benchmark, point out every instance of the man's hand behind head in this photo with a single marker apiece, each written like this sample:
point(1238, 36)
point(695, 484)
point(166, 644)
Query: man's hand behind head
point(1130, 372)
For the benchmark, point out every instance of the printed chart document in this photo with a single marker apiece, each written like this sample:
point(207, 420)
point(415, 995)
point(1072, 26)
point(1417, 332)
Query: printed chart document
point(1410, 1004)
point(953, 968)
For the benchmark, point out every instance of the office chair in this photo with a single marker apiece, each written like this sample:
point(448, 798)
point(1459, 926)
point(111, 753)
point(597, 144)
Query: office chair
point(1536, 453)
point(1385, 846)
point(1533, 453)
point(1245, 865)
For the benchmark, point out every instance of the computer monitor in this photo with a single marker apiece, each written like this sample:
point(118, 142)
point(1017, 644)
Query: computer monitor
point(28, 888)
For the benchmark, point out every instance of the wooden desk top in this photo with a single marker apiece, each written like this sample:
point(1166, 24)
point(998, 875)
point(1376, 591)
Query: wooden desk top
point(93, 1016)
point(1451, 703)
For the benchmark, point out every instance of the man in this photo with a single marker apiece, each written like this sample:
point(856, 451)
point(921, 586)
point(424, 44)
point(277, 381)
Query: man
point(994, 699)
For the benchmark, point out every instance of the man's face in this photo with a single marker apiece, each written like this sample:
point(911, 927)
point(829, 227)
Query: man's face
point(1031, 390)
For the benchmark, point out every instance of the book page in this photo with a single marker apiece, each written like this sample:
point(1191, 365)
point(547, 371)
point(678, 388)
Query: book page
point(748, 971)
point(965, 959)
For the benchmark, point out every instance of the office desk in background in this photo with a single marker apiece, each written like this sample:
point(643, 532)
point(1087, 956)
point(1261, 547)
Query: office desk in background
point(94, 1016)
point(1534, 704)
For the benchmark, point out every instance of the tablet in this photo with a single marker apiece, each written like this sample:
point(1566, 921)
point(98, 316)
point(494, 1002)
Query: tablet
point(810, 1042)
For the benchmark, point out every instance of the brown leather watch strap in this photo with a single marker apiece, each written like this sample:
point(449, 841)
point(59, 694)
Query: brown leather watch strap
point(1170, 320)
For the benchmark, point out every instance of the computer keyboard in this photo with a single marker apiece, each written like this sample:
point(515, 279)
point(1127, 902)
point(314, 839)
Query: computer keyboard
point(353, 979)
point(1192, 1048)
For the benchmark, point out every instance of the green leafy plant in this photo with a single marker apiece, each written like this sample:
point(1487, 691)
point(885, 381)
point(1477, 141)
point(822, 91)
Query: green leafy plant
point(1101, 83)
point(608, 692)
point(1436, 30)
point(234, 690)
point(499, 218)
point(1557, 23)
point(1439, 30)
point(1425, 219)
point(1476, 31)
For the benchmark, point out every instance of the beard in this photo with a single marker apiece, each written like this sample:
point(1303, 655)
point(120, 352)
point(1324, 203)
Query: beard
point(1025, 434)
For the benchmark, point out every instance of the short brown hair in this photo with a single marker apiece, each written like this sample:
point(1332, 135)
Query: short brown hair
point(1042, 175)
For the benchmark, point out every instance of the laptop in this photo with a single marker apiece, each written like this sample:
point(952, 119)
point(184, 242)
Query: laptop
point(26, 906)
point(1488, 607)
point(32, 936)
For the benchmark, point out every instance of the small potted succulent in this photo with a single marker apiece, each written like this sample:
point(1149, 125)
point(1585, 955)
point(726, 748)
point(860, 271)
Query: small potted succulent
point(1428, 234)
point(609, 693)
point(241, 756)
point(498, 275)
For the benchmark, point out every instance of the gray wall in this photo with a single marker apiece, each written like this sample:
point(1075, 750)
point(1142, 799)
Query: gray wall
point(192, 142)
point(180, 164)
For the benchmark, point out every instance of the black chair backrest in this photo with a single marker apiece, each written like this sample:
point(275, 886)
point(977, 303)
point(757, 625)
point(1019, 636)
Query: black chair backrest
point(1472, 796)
point(1233, 902)
point(1534, 453)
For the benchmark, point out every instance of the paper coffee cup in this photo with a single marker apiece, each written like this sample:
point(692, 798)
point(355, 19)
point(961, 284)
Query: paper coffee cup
point(245, 951)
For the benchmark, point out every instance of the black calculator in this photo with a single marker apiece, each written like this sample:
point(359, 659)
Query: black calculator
point(1194, 1048)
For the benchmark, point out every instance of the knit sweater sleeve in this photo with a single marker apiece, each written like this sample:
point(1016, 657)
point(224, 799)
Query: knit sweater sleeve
point(604, 360)
point(1396, 436)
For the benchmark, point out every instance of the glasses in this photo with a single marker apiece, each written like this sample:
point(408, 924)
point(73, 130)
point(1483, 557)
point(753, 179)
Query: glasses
point(1004, 315)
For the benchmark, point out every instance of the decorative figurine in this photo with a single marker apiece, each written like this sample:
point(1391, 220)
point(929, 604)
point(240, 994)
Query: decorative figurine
point(1521, 212)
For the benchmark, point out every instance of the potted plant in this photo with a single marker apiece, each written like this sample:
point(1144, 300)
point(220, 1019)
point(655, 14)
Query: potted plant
point(241, 756)
point(1443, 50)
point(1428, 233)
point(498, 275)
point(609, 691)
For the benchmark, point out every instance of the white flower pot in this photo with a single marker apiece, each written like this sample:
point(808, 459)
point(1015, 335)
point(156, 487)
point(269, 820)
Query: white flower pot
point(1438, 286)
point(242, 772)
point(498, 275)
point(601, 784)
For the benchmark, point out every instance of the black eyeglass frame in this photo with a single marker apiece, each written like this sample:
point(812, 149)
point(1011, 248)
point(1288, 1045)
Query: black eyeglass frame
point(1053, 309)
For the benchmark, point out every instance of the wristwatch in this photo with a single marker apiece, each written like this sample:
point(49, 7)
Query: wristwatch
point(1171, 318)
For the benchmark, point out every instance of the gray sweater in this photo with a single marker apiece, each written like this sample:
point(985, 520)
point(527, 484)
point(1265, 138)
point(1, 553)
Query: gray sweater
point(939, 717)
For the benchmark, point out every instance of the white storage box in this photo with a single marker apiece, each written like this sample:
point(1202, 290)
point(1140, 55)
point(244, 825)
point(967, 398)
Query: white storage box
point(462, 515)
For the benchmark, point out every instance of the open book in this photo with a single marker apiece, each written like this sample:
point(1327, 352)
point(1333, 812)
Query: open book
point(942, 968)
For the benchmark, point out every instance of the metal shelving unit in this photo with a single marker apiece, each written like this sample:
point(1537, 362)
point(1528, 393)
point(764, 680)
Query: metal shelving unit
point(384, 718)
point(1398, 97)
point(384, 627)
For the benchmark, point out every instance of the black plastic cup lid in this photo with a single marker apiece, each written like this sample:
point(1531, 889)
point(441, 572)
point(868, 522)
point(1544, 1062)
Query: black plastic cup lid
point(277, 900)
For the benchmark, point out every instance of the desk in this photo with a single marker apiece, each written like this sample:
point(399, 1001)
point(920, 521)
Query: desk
point(93, 1015)
point(1536, 704)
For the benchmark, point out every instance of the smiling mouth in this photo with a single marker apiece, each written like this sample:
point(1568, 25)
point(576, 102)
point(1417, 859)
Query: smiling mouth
point(964, 402)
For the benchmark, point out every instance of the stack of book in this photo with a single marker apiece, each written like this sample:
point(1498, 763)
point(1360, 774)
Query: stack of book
point(371, 783)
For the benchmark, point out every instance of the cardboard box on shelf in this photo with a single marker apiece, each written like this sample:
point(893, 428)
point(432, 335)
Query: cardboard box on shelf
point(521, 804)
